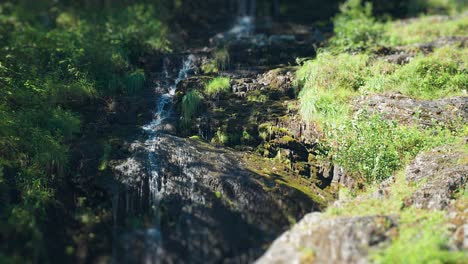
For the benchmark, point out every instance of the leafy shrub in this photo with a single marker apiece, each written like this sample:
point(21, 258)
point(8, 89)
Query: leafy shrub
point(355, 28)
point(217, 86)
point(439, 74)
point(374, 148)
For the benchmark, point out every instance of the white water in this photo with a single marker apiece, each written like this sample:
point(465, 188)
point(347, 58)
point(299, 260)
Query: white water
point(164, 108)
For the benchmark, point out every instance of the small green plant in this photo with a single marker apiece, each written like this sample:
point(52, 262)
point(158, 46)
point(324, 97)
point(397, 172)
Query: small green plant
point(217, 86)
point(221, 137)
point(191, 103)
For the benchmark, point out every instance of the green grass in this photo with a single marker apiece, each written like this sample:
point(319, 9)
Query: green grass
point(373, 148)
point(190, 107)
point(440, 74)
point(422, 238)
point(217, 86)
point(425, 29)
point(328, 82)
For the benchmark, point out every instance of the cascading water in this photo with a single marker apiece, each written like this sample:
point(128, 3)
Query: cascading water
point(150, 239)
point(163, 111)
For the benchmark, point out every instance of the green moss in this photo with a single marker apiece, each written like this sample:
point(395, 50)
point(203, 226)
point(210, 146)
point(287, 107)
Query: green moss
point(217, 86)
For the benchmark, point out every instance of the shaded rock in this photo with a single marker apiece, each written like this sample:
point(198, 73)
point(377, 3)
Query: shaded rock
point(450, 112)
point(281, 78)
point(317, 239)
point(445, 172)
point(213, 204)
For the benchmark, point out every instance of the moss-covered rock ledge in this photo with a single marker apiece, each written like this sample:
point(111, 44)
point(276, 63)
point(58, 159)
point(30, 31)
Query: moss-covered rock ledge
point(417, 216)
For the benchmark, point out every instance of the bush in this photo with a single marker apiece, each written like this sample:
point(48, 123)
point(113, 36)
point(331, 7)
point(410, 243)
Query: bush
point(217, 86)
point(134, 81)
point(373, 148)
point(355, 28)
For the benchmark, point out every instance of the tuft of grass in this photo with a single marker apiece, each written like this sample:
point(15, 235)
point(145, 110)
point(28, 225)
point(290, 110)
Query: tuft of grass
point(217, 86)
point(328, 82)
point(190, 106)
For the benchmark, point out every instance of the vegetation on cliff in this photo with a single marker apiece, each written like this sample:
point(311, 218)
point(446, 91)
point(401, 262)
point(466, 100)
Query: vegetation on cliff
point(56, 63)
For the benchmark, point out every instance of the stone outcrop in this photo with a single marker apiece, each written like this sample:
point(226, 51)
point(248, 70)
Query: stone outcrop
point(449, 112)
point(318, 239)
point(442, 173)
point(438, 175)
point(211, 198)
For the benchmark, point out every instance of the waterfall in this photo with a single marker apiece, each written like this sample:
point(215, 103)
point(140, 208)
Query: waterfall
point(164, 108)
point(153, 249)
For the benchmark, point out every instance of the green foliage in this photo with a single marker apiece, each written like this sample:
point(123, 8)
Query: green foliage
point(355, 28)
point(217, 86)
point(374, 148)
point(190, 107)
point(52, 69)
point(423, 238)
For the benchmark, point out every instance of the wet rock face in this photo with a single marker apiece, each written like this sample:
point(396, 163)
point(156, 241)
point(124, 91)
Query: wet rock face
point(317, 239)
point(450, 112)
point(444, 172)
point(212, 207)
